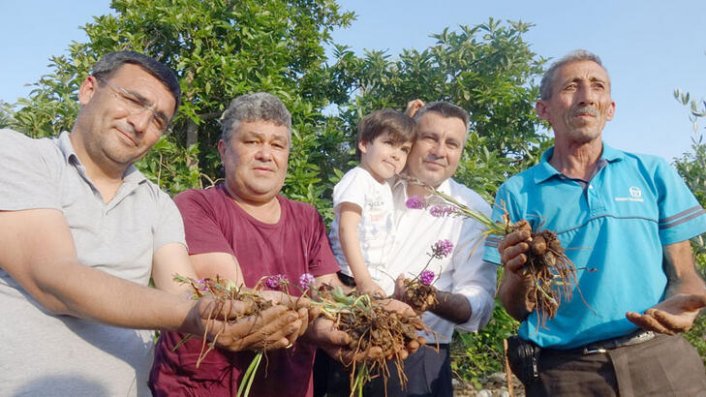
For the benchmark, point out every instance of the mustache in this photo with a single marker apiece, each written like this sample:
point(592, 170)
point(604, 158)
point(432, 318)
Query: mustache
point(590, 110)
point(434, 159)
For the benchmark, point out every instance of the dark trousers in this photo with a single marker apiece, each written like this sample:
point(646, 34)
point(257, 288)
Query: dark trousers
point(428, 374)
point(663, 366)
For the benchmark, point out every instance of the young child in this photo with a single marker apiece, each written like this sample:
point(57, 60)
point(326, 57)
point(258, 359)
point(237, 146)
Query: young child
point(362, 231)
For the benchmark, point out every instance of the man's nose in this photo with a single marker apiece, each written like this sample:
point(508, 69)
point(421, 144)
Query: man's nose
point(587, 95)
point(264, 152)
point(438, 150)
point(140, 121)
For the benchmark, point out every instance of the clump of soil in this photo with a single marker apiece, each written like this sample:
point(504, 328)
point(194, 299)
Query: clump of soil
point(221, 292)
point(377, 332)
point(547, 266)
point(419, 296)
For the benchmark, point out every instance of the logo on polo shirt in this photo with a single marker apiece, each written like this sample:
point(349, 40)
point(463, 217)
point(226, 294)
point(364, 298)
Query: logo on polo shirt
point(635, 195)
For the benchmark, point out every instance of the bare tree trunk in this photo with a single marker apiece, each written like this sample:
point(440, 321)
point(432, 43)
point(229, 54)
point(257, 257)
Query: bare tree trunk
point(192, 133)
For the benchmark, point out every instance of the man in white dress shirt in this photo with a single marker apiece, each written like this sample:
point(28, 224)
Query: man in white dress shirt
point(465, 284)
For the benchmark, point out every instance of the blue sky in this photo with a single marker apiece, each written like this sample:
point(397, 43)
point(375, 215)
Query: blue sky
point(650, 48)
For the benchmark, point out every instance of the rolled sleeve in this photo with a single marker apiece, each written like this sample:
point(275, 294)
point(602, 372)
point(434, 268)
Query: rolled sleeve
point(482, 304)
point(474, 278)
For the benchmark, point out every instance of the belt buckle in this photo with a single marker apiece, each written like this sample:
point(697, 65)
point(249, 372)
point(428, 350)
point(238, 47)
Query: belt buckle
point(642, 336)
point(603, 347)
point(588, 350)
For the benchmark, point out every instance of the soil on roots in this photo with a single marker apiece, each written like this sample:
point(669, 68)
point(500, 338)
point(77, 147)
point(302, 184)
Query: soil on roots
point(550, 271)
point(221, 293)
point(378, 333)
point(419, 296)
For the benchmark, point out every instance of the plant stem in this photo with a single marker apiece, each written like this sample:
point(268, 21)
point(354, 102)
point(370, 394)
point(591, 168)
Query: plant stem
point(249, 377)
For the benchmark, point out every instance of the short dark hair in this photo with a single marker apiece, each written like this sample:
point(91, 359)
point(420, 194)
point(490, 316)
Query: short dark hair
point(401, 127)
point(445, 109)
point(259, 106)
point(110, 63)
point(547, 84)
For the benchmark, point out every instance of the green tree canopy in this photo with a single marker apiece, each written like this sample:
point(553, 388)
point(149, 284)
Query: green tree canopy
point(692, 167)
point(221, 49)
point(487, 69)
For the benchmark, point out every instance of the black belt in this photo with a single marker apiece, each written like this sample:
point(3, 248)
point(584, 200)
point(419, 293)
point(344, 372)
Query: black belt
point(603, 346)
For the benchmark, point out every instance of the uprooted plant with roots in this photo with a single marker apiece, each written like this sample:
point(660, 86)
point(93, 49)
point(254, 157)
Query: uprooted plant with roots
point(222, 291)
point(377, 332)
point(550, 271)
point(419, 292)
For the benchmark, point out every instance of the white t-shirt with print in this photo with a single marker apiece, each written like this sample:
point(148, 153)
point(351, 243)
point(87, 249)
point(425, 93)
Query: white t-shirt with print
point(376, 227)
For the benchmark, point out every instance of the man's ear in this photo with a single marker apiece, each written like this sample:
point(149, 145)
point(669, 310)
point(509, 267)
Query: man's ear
point(87, 89)
point(363, 146)
point(611, 111)
point(542, 110)
point(221, 148)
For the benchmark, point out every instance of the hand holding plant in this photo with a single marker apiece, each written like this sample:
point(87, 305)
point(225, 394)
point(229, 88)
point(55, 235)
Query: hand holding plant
point(259, 324)
point(419, 292)
point(376, 330)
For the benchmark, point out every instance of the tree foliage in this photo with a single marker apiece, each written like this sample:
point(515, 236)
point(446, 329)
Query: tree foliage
point(220, 49)
point(487, 69)
point(692, 167)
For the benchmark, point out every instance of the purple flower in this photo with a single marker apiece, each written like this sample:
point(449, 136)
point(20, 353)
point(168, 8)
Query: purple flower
point(202, 284)
point(276, 281)
point(440, 211)
point(306, 281)
point(426, 277)
point(442, 248)
point(415, 203)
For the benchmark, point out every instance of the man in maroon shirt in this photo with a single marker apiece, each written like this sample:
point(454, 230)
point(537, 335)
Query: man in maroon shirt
point(244, 230)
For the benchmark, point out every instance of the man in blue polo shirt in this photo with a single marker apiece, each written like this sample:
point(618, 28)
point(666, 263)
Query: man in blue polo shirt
point(625, 221)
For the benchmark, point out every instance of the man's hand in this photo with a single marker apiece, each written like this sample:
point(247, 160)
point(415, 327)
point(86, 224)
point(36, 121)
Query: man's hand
point(398, 306)
point(274, 328)
point(337, 344)
point(413, 106)
point(673, 315)
point(323, 333)
point(513, 248)
point(281, 298)
point(371, 288)
point(403, 309)
point(401, 294)
point(515, 288)
point(301, 304)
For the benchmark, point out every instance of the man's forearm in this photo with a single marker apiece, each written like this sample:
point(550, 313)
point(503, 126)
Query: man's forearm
point(681, 271)
point(452, 307)
point(93, 294)
point(513, 294)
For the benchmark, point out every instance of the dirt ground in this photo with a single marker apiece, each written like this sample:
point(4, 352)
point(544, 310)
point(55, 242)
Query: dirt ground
point(495, 386)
